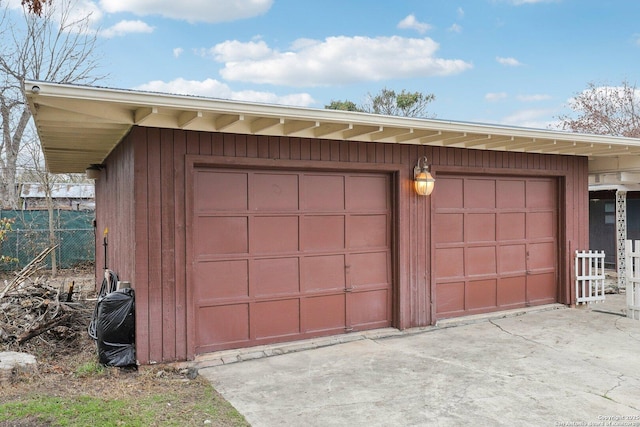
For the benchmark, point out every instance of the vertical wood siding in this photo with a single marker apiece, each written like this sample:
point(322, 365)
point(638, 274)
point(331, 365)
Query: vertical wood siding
point(155, 160)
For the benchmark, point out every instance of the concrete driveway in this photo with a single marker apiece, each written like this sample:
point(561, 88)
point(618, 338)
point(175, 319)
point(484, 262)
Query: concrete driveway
point(554, 367)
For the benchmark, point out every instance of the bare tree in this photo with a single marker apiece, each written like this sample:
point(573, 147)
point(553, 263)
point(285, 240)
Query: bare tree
point(55, 45)
point(605, 110)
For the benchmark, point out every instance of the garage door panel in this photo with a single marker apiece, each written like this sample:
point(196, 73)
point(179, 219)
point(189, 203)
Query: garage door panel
point(511, 291)
point(323, 233)
point(450, 228)
point(510, 194)
point(450, 262)
point(542, 255)
point(449, 297)
point(512, 259)
point(235, 319)
point(221, 191)
point(479, 193)
point(221, 279)
point(367, 193)
point(370, 268)
point(541, 225)
point(368, 231)
point(541, 194)
point(368, 308)
point(453, 188)
point(221, 235)
point(276, 276)
point(542, 288)
point(480, 227)
point(276, 318)
point(511, 226)
point(481, 294)
point(275, 234)
point(325, 313)
point(274, 192)
point(480, 260)
point(322, 273)
point(323, 193)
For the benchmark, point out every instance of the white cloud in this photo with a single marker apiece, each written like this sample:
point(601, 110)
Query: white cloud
point(177, 51)
point(455, 28)
point(496, 96)
point(410, 23)
point(533, 98)
point(460, 13)
point(510, 62)
point(235, 51)
point(126, 27)
point(215, 89)
point(534, 118)
point(191, 10)
point(336, 60)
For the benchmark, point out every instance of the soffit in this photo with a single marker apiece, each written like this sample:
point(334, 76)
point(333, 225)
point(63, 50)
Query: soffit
point(80, 125)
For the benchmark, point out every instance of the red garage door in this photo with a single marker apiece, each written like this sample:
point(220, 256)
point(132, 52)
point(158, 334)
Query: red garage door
point(279, 255)
point(495, 243)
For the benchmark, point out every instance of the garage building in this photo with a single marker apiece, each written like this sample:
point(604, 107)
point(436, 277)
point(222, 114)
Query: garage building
point(240, 224)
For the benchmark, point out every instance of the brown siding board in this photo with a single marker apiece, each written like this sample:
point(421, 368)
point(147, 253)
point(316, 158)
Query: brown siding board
point(380, 157)
point(344, 151)
point(141, 282)
point(274, 147)
point(294, 149)
point(285, 149)
point(224, 145)
point(167, 244)
point(205, 143)
point(263, 147)
point(314, 149)
point(155, 244)
point(252, 146)
point(362, 154)
point(241, 146)
point(371, 153)
point(179, 153)
point(305, 149)
point(325, 150)
point(335, 151)
point(193, 143)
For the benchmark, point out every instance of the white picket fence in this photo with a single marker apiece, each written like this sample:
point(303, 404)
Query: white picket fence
point(590, 276)
point(633, 278)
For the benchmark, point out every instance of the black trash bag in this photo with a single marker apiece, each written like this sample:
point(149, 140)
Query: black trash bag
point(115, 329)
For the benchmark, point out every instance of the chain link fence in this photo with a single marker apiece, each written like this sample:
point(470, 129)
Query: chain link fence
point(73, 233)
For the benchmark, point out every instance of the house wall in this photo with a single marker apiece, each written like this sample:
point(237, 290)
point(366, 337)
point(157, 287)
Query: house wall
point(114, 196)
point(157, 264)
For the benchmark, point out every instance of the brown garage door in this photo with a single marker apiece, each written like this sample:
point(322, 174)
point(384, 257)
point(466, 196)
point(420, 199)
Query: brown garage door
point(279, 255)
point(495, 243)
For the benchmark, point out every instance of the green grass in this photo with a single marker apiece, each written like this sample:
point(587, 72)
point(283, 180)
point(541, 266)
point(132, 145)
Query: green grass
point(149, 410)
point(89, 369)
point(81, 411)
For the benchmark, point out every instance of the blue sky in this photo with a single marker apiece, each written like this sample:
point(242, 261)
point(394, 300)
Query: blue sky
point(514, 62)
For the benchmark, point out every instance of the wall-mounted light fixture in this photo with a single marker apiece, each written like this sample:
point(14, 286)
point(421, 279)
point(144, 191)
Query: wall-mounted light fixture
point(93, 171)
point(423, 181)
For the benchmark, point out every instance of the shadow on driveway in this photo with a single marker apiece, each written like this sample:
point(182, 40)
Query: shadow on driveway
point(553, 368)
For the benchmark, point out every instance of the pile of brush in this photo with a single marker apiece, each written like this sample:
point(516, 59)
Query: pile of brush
point(30, 308)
